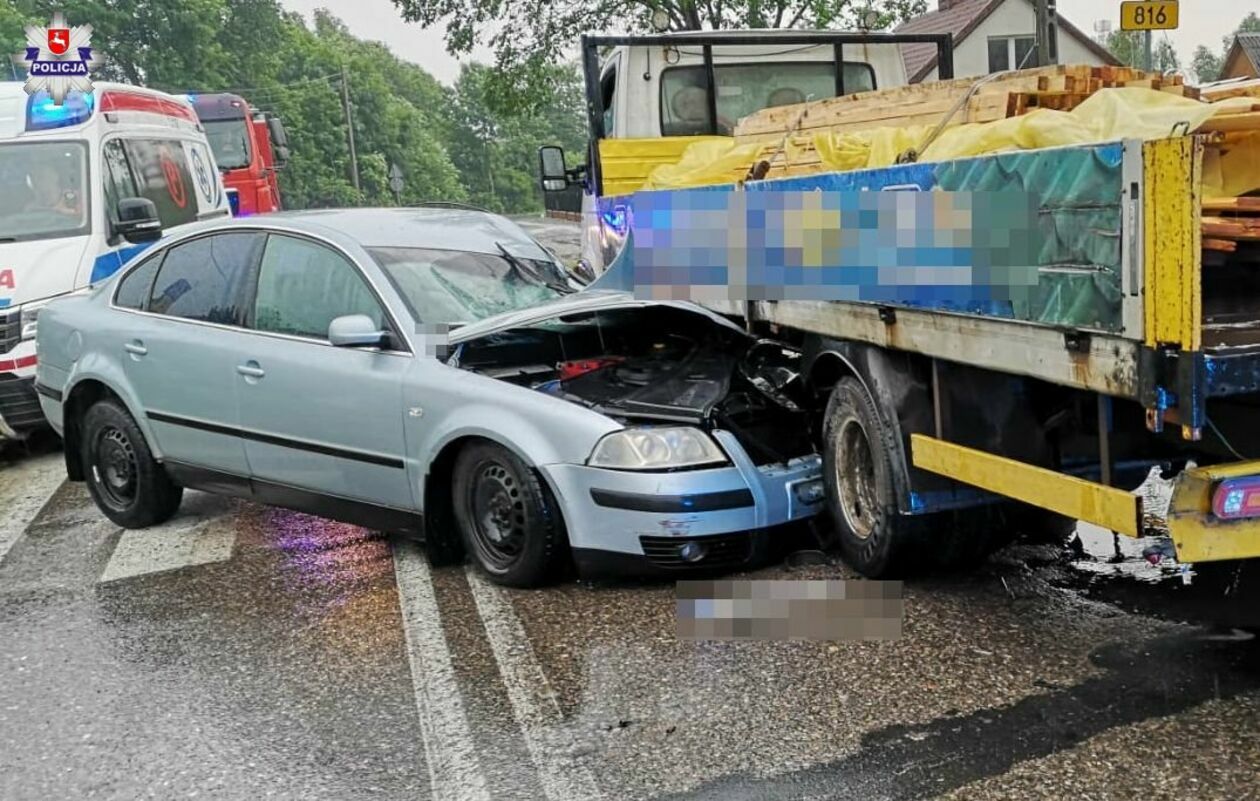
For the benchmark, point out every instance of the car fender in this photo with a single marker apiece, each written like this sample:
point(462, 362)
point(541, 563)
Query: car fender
point(95, 367)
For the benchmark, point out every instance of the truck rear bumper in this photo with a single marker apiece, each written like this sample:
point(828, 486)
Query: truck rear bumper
point(1198, 534)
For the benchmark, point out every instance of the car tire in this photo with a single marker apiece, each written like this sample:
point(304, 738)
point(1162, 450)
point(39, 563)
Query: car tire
point(508, 520)
point(873, 537)
point(124, 479)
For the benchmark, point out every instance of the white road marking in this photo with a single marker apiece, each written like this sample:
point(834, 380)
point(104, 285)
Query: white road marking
point(24, 490)
point(454, 771)
point(201, 534)
point(533, 700)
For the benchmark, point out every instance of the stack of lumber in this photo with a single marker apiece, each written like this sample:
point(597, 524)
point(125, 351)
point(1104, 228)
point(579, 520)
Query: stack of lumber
point(1011, 94)
point(1228, 221)
point(1227, 89)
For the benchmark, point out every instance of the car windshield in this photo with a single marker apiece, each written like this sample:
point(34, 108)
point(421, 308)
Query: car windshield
point(229, 142)
point(455, 286)
point(44, 193)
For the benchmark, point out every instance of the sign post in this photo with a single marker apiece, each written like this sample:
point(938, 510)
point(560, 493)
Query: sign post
point(396, 183)
point(1147, 16)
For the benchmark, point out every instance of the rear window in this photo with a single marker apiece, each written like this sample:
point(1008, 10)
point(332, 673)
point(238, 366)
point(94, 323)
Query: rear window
point(743, 89)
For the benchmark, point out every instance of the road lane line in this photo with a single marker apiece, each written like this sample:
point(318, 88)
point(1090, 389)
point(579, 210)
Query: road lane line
point(454, 771)
point(168, 547)
point(24, 492)
point(533, 700)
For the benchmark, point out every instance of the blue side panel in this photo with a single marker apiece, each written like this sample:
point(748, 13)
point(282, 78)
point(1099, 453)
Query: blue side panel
point(108, 262)
point(1027, 235)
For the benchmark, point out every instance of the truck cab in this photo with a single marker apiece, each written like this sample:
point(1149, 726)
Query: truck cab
point(250, 147)
point(649, 97)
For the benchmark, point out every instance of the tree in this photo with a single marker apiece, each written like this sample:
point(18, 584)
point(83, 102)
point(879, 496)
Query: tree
point(497, 153)
point(529, 36)
point(1130, 48)
point(1207, 65)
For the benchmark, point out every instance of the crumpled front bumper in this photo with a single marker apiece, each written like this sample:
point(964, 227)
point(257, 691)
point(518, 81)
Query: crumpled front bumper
point(649, 517)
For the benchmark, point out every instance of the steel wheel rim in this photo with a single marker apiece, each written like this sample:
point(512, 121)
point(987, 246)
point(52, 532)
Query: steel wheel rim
point(855, 479)
point(115, 467)
point(495, 508)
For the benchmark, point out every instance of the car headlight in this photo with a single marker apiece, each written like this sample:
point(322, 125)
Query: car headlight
point(30, 320)
point(656, 448)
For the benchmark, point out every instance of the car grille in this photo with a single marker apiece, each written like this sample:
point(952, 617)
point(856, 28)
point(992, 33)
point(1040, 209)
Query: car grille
point(10, 329)
point(721, 550)
point(19, 405)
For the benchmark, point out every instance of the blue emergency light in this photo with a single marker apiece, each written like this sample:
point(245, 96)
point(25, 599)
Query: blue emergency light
point(43, 115)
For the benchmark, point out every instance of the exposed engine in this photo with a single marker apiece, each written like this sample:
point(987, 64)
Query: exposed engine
point(658, 364)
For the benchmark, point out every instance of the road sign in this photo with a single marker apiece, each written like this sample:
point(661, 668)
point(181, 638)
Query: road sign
point(395, 178)
point(1148, 15)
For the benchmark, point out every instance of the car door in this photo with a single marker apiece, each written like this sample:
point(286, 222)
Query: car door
point(181, 350)
point(319, 418)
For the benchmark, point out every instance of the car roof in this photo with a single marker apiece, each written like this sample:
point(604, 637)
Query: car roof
point(439, 227)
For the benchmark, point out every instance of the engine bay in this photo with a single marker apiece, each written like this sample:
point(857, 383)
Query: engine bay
point(661, 365)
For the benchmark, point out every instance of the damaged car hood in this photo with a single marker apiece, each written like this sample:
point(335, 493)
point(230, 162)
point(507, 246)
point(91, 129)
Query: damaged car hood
point(584, 302)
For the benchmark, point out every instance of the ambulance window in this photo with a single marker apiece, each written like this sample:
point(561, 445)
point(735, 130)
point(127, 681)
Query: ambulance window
point(119, 182)
point(161, 169)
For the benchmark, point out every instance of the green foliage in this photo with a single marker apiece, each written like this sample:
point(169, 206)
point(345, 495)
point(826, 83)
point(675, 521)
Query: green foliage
point(1130, 48)
point(530, 36)
point(1207, 65)
point(436, 135)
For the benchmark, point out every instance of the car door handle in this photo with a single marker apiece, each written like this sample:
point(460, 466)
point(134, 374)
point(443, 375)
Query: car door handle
point(136, 348)
point(250, 370)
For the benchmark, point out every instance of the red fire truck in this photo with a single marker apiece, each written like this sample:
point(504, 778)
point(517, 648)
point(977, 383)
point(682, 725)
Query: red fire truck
point(248, 145)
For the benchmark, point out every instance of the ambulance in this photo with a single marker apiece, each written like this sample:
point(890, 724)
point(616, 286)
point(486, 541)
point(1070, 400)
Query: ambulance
point(84, 186)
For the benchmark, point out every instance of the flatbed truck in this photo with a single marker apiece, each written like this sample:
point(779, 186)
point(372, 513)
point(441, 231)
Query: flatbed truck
point(1133, 350)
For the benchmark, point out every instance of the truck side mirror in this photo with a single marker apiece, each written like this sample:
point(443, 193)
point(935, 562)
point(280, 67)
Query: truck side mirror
point(138, 220)
point(279, 137)
point(555, 178)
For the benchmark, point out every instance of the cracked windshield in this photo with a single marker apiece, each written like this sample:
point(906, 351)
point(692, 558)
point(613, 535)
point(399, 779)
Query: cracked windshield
point(638, 400)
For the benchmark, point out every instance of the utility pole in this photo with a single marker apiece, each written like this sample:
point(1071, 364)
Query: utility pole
point(345, 104)
point(1149, 59)
point(1047, 24)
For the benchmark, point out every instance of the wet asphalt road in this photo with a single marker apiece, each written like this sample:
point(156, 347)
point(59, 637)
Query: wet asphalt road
point(246, 652)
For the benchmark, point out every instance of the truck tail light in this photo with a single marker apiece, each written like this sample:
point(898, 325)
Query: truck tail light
point(1237, 498)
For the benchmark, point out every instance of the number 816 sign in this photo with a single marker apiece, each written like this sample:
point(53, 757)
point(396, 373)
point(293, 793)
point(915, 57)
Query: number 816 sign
point(1148, 15)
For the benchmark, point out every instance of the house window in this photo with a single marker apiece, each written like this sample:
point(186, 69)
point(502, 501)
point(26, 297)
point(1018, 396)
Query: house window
point(1012, 53)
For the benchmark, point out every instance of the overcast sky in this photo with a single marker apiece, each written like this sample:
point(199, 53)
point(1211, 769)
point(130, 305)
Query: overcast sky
point(1202, 22)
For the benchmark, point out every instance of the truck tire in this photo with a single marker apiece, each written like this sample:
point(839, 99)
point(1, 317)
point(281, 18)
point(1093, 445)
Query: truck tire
point(124, 479)
point(874, 538)
point(506, 516)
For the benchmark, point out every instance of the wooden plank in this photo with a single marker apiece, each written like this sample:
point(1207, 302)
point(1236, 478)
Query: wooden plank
point(1239, 204)
point(1220, 245)
point(1249, 121)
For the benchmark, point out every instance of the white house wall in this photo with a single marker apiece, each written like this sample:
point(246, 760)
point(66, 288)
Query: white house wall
point(1012, 18)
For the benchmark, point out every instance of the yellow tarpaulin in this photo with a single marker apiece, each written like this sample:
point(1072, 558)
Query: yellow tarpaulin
point(1106, 116)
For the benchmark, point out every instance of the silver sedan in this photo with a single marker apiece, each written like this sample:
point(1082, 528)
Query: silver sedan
point(433, 371)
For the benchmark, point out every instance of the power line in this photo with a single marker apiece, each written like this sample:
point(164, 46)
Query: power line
point(278, 88)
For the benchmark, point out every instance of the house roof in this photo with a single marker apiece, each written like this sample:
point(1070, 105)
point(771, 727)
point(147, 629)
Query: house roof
point(960, 19)
point(1249, 45)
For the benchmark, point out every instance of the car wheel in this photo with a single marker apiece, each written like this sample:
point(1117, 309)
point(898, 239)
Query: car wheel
point(872, 535)
point(128, 485)
point(507, 518)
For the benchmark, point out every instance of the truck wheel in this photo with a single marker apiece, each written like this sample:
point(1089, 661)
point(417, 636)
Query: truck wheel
point(126, 482)
point(507, 518)
point(873, 536)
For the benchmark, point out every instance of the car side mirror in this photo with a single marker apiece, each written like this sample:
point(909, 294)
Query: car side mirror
point(138, 220)
point(355, 331)
point(555, 178)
